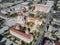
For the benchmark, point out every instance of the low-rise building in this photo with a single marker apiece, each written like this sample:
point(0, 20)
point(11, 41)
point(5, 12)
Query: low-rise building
point(23, 20)
point(14, 8)
point(56, 18)
point(50, 3)
point(42, 8)
point(35, 20)
point(21, 35)
point(5, 11)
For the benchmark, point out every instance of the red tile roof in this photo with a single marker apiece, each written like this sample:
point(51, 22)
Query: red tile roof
point(13, 28)
point(32, 18)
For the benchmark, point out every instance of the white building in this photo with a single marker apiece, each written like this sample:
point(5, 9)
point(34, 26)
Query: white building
point(42, 8)
point(21, 35)
point(16, 8)
point(5, 11)
point(50, 3)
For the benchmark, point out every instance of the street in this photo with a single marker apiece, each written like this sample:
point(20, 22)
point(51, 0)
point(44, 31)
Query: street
point(40, 38)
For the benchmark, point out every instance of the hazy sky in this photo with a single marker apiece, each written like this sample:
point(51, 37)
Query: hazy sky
point(0, 0)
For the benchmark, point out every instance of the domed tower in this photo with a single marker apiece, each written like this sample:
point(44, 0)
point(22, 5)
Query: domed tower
point(20, 19)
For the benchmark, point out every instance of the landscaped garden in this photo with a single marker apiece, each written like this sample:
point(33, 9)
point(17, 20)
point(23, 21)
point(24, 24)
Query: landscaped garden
point(39, 26)
point(30, 24)
point(38, 15)
point(22, 29)
point(55, 25)
point(30, 7)
point(13, 15)
point(1, 22)
point(6, 34)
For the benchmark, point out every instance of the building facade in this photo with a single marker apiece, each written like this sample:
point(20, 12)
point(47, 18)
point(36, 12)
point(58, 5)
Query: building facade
point(21, 35)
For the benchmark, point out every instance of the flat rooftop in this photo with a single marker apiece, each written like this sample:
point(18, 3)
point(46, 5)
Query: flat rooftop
point(42, 8)
point(25, 3)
